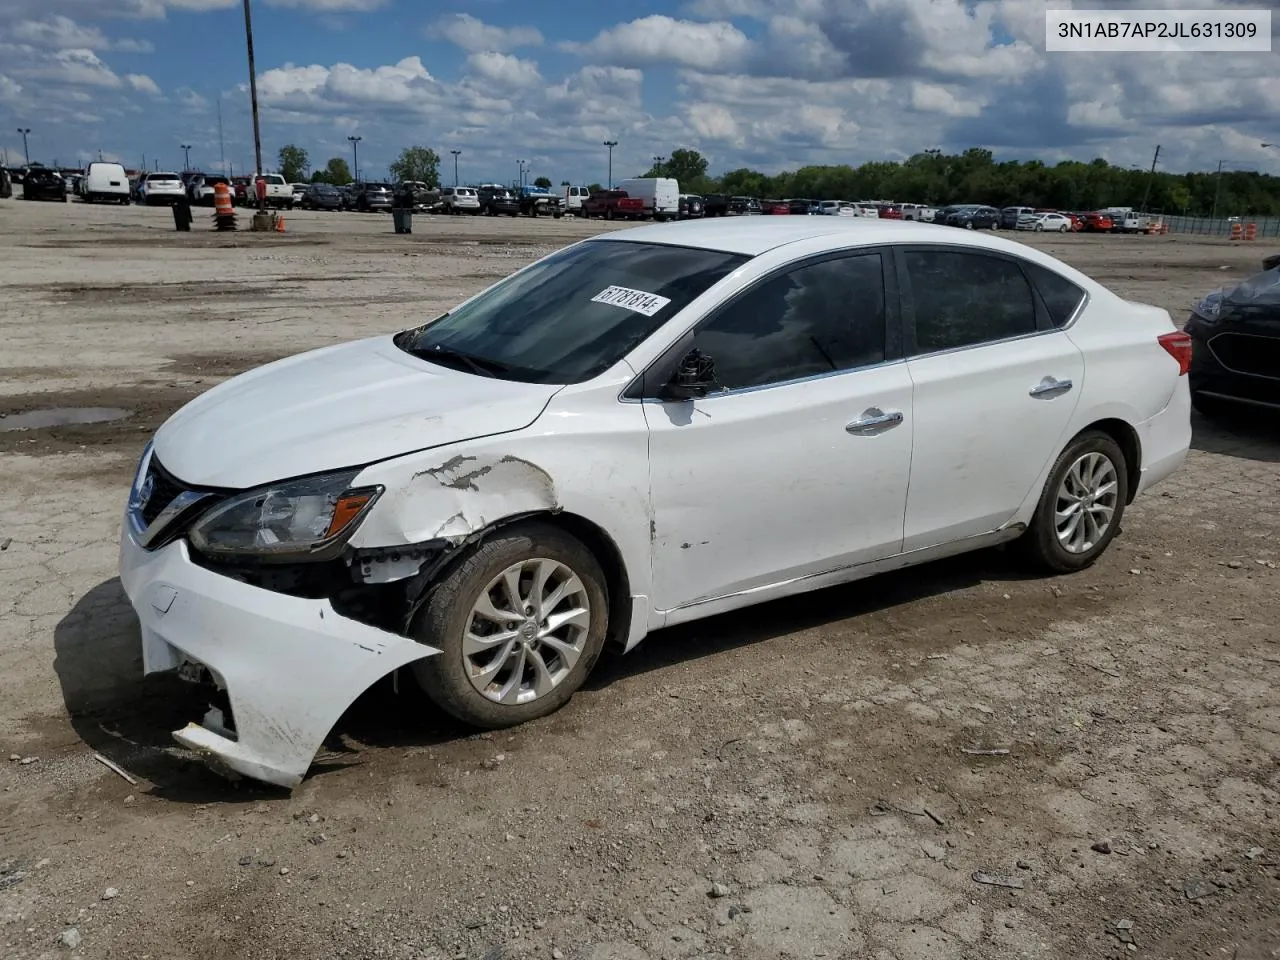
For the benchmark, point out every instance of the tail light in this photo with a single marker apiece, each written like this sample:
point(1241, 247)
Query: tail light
point(1178, 346)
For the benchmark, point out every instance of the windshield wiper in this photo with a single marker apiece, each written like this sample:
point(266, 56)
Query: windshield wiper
point(478, 365)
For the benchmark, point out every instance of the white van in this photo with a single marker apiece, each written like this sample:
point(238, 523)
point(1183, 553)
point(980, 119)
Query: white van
point(661, 195)
point(574, 197)
point(105, 182)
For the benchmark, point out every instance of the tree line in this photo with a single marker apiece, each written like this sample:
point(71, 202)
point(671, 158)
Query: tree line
point(931, 177)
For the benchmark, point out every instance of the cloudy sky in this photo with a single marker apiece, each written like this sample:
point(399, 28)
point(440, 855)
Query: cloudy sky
point(772, 84)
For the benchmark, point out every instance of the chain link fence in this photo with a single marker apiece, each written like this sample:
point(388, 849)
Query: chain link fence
point(1221, 226)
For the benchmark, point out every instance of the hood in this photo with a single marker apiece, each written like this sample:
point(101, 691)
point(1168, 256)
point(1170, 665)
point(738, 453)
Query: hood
point(336, 407)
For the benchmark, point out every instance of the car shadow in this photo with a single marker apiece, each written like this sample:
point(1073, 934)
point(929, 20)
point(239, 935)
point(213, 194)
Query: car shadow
point(1247, 434)
point(128, 718)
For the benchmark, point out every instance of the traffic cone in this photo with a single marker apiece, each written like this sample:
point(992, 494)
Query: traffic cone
point(279, 224)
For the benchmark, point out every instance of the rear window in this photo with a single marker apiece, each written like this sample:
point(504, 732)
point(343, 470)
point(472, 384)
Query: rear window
point(153, 177)
point(1060, 295)
point(466, 192)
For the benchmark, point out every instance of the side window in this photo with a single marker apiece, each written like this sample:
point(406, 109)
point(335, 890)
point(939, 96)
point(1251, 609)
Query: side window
point(814, 319)
point(965, 299)
point(1059, 294)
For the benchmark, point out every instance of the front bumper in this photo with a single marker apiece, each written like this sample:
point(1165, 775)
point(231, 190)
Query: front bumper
point(290, 666)
point(1212, 377)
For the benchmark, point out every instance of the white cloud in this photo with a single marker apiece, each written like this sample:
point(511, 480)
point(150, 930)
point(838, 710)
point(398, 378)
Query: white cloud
point(476, 36)
point(142, 83)
point(503, 69)
point(330, 6)
point(9, 88)
point(713, 121)
point(59, 32)
point(934, 98)
point(661, 39)
point(80, 67)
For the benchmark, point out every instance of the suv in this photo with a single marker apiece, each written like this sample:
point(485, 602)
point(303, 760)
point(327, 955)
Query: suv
point(458, 200)
point(372, 196)
point(1009, 216)
point(496, 199)
point(201, 189)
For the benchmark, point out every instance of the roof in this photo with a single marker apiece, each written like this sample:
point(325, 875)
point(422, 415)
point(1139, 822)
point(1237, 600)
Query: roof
point(753, 235)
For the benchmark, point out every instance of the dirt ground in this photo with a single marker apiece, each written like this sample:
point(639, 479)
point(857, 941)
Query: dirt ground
point(793, 781)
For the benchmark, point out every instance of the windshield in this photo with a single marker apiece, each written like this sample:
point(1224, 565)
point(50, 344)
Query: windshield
point(575, 314)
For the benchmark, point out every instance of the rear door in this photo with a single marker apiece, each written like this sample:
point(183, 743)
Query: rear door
point(995, 388)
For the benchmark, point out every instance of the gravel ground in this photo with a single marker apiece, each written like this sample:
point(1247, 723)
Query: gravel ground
point(798, 780)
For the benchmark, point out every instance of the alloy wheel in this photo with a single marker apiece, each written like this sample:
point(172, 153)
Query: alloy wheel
point(1086, 503)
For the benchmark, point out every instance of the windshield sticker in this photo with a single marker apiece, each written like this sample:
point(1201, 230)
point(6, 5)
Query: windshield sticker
point(635, 300)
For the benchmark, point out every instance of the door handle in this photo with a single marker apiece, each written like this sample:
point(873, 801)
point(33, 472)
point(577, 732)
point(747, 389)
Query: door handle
point(873, 421)
point(1051, 387)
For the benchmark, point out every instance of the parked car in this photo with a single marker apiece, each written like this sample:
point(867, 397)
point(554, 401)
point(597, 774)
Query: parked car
point(660, 195)
point(868, 210)
point(691, 206)
point(298, 190)
point(469, 501)
point(241, 190)
point(201, 189)
point(497, 200)
point(279, 193)
point(459, 200)
point(1009, 216)
point(889, 211)
point(160, 187)
point(919, 212)
point(574, 197)
point(973, 216)
point(745, 206)
point(775, 208)
point(321, 196)
point(368, 197)
point(613, 205)
point(800, 207)
point(1235, 356)
point(43, 183)
point(1038, 222)
point(1097, 223)
point(424, 199)
point(715, 205)
point(348, 192)
point(105, 182)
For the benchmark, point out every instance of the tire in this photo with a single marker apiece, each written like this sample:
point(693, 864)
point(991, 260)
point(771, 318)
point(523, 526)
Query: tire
point(608, 213)
point(1064, 228)
point(1039, 228)
point(1040, 544)
point(449, 614)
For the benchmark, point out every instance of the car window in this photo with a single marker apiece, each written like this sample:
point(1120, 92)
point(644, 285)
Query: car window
point(573, 315)
point(965, 299)
point(1059, 294)
point(815, 319)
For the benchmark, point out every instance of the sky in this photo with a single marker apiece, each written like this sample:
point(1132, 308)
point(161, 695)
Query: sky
point(768, 84)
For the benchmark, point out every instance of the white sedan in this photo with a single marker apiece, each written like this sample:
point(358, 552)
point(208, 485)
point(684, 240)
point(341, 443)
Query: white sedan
point(160, 187)
point(1056, 222)
point(645, 428)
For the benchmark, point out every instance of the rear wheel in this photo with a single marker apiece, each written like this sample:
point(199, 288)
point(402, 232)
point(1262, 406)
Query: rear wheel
point(1081, 507)
point(519, 622)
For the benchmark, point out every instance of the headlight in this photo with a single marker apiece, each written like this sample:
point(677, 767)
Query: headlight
point(307, 519)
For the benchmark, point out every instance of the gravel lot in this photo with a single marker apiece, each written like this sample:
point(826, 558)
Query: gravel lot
point(791, 781)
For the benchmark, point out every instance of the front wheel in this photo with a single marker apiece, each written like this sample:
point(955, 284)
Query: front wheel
point(1081, 507)
point(1063, 229)
point(519, 624)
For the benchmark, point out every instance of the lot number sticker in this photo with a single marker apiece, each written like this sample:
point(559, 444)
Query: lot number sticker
point(635, 300)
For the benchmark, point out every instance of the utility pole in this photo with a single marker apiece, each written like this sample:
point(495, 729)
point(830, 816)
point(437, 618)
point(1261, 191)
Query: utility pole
point(25, 152)
point(253, 99)
point(1217, 188)
point(610, 144)
point(455, 166)
point(222, 152)
point(520, 168)
point(1146, 194)
point(186, 156)
point(355, 158)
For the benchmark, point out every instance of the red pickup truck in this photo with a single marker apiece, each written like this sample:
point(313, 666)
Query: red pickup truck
point(613, 205)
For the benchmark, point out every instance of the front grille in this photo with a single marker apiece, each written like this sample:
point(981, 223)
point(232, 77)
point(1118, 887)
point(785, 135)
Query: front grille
point(1248, 354)
point(164, 488)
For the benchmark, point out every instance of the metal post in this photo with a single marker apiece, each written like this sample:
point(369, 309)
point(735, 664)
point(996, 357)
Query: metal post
point(610, 144)
point(25, 152)
point(253, 99)
point(222, 152)
point(657, 165)
point(1146, 194)
point(355, 158)
point(1217, 188)
point(455, 166)
point(186, 156)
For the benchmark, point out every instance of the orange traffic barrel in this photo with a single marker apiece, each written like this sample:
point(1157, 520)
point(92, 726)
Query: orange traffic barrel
point(1235, 230)
point(1251, 231)
point(222, 200)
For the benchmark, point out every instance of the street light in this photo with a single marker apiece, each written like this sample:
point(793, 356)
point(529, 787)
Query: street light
point(355, 158)
point(186, 156)
point(610, 144)
point(455, 165)
point(25, 130)
point(520, 167)
point(657, 164)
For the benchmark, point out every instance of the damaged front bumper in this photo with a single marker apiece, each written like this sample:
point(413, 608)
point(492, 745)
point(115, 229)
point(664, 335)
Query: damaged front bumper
point(289, 666)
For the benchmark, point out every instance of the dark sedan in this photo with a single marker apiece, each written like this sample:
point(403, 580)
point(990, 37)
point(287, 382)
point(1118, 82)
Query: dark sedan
point(1235, 346)
point(972, 216)
point(321, 196)
point(40, 183)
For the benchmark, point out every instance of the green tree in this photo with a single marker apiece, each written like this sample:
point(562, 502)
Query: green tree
point(594, 188)
point(417, 163)
point(335, 171)
point(688, 167)
point(293, 163)
point(543, 182)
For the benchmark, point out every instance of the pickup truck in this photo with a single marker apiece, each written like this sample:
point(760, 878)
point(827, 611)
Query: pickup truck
point(537, 202)
point(613, 205)
point(279, 193)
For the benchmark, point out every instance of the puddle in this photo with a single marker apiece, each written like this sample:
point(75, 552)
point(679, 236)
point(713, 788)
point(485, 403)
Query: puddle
point(61, 417)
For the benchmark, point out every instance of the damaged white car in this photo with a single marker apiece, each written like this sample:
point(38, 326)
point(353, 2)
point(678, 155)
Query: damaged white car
point(644, 428)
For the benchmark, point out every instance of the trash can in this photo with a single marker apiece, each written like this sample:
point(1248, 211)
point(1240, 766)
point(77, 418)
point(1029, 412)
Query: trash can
point(182, 215)
point(402, 218)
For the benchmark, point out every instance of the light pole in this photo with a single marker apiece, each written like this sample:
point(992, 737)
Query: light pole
point(520, 168)
point(355, 158)
point(657, 164)
point(186, 156)
point(455, 165)
point(610, 144)
point(24, 131)
point(253, 100)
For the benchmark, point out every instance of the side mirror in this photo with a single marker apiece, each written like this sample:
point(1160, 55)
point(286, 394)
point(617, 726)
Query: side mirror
point(694, 378)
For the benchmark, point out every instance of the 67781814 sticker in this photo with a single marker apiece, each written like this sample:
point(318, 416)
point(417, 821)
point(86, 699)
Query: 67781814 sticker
point(638, 301)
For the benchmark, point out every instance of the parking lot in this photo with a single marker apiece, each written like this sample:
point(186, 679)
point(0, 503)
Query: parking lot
point(958, 761)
